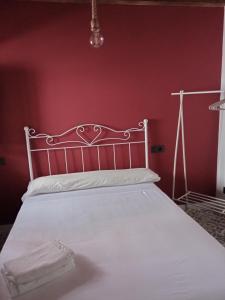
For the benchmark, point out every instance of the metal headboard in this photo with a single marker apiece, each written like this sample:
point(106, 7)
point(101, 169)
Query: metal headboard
point(80, 141)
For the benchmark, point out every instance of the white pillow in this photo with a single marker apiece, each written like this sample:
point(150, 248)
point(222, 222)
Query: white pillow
point(91, 179)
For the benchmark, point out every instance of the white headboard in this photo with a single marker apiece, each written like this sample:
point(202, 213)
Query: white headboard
point(102, 136)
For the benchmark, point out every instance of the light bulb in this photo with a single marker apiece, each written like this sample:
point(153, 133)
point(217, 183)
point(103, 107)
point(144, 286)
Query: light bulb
point(96, 39)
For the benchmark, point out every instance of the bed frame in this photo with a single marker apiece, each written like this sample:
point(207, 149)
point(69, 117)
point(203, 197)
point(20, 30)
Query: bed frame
point(102, 136)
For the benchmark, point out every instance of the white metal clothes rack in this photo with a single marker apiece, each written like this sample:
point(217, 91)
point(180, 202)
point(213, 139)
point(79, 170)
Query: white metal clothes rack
point(192, 198)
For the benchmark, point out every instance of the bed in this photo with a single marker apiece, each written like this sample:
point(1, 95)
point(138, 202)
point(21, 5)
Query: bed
point(131, 242)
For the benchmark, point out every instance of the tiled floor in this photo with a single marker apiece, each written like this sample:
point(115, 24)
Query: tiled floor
point(213, 222)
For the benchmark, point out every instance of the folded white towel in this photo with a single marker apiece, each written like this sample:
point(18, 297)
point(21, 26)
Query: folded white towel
point(37, 267)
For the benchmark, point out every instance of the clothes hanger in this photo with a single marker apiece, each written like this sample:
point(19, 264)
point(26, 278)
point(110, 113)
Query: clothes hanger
point(217, 105)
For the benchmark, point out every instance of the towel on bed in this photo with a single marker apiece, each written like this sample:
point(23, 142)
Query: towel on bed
point(37, 267)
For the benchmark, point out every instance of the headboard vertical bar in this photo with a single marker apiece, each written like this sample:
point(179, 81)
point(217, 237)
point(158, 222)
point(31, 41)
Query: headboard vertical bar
point(99, 162)
point(146, 143)
point(49, 163)
point(114, 156)
point(82, 157)
point(66, 163)
point(130, 159)
point(26, 129)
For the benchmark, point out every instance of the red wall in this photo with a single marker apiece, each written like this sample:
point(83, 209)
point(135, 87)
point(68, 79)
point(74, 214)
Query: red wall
point(50, 79)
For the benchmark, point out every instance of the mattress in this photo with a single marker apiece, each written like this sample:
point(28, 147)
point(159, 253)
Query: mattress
point(131, 243)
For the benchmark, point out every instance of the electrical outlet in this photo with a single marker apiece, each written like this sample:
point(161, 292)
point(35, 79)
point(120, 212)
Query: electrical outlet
point(2, 161)
point(157, 148)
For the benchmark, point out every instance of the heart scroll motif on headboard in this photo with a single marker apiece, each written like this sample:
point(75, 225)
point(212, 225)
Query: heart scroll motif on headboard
point(98, 135)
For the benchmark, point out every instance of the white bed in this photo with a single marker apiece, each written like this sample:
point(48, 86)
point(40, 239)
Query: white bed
point(130, 242)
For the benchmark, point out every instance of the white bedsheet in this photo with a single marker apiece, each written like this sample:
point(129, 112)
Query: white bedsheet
point(131, 243)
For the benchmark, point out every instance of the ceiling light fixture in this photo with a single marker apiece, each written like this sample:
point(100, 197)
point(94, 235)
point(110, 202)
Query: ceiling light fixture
point(96, 39)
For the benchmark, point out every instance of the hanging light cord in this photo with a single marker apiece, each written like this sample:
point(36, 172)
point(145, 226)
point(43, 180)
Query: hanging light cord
point(94, 21)
point(96, 39)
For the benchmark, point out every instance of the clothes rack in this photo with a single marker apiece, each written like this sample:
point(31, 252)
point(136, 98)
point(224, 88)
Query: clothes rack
point(192, 198)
